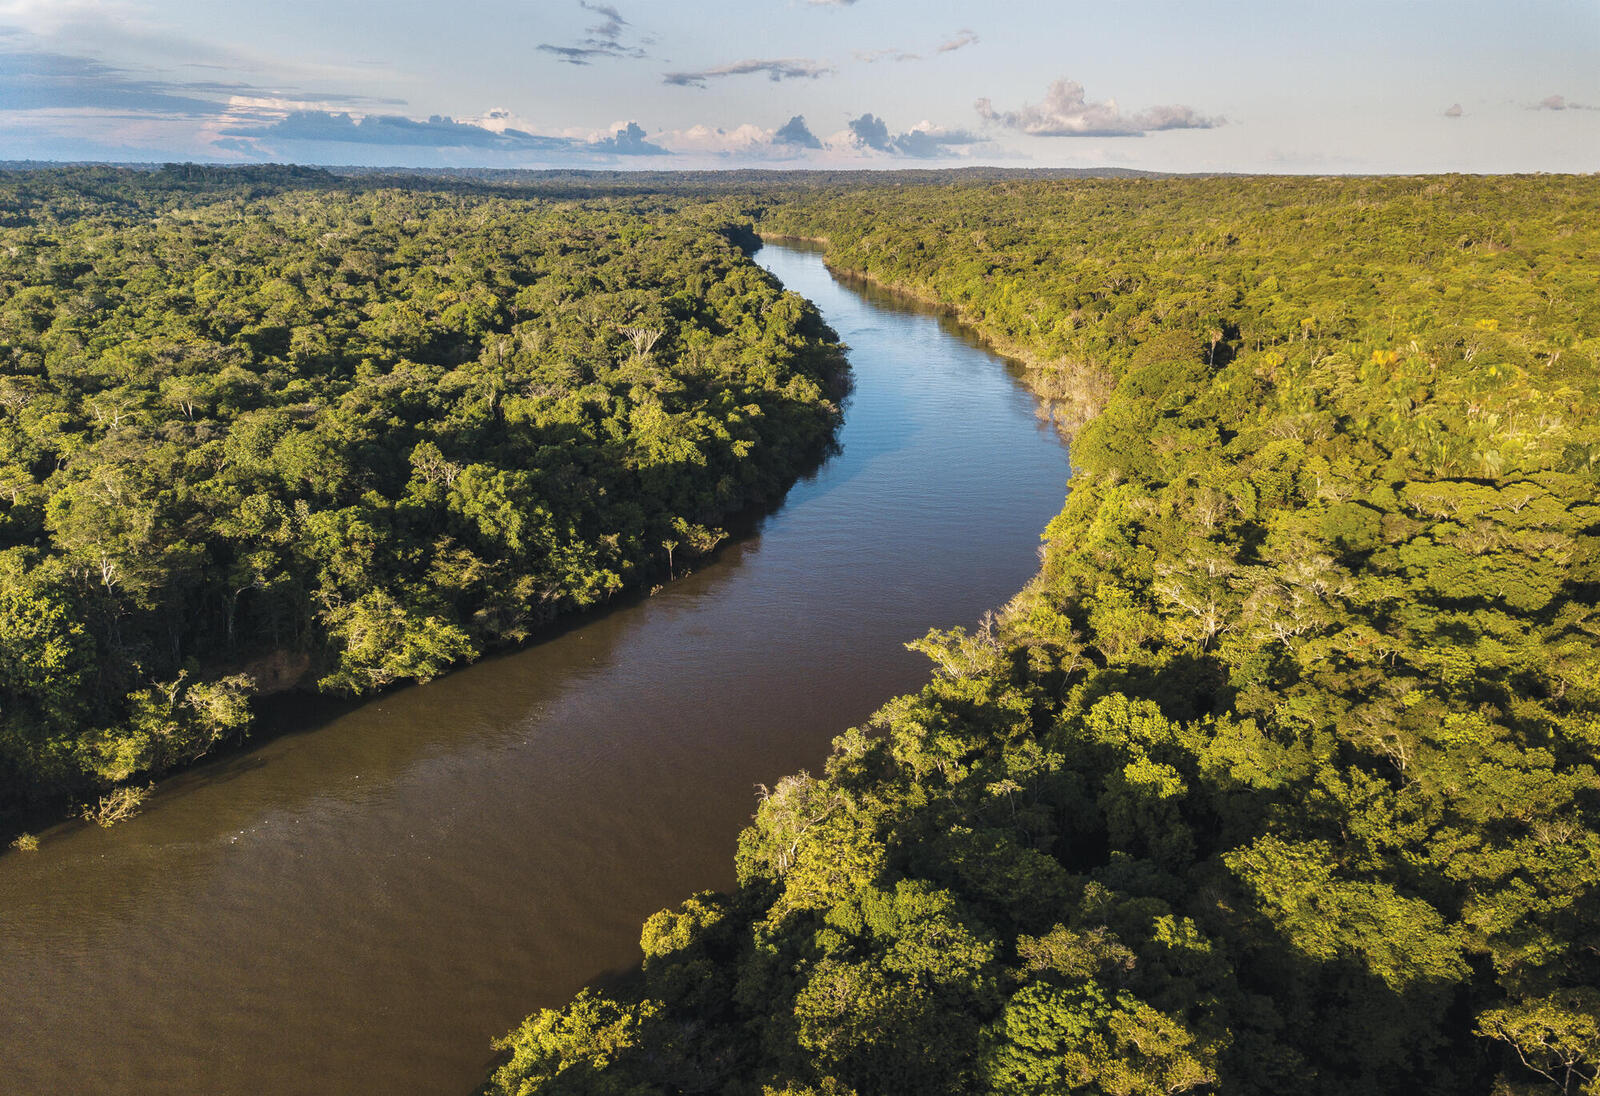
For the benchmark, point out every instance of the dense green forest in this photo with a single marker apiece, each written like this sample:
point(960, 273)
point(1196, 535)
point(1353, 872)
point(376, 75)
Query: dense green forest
point(1281, 776)
point(268, 428)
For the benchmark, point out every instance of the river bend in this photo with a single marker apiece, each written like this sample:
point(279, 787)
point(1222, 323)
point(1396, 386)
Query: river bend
point(360, 904)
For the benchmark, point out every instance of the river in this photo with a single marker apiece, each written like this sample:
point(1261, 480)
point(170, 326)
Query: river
point(359, 904)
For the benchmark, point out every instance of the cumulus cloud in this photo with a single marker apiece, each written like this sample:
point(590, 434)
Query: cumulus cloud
point(1067, 112)
point(795, 132)
point(720, 140)
point(1453, 111)
point(865, 136)
point(923, 141)
point(871, 131)
point(785, 68)
point(1560, 102)
point(926, 141)
point(607, 38)
point(499, 120)
point(629, 141)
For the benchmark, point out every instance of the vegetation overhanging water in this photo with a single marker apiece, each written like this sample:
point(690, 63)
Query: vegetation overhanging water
point(360, 907)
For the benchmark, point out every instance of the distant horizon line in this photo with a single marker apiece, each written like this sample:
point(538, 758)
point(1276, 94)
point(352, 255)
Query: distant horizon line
point(898, 169)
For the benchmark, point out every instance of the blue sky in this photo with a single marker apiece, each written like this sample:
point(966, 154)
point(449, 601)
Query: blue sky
point(1172, 85)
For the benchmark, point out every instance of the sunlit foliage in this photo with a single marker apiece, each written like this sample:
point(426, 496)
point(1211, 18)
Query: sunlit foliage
point(264, 428)
point(1281, 776)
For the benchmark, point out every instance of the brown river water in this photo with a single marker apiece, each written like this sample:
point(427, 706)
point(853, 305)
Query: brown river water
point(359, 904)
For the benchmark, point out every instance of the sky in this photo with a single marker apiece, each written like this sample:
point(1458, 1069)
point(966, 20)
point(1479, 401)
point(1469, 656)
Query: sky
point(1301, 86)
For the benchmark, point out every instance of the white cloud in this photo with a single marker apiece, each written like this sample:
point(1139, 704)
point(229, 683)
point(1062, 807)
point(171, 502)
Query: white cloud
point(963, 39)
point(873, 56)
point(1067, 112)
point(717, 139)
point(924, 140)
point(499, 119)
point(1560, 102)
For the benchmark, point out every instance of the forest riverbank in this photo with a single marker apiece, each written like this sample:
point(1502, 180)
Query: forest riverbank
point(509, 825)
point(1072, 392)
point(268, 430)
point(1281, 773)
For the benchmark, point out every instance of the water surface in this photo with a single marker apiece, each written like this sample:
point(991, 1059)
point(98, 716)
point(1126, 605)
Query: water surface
point(359, 906)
